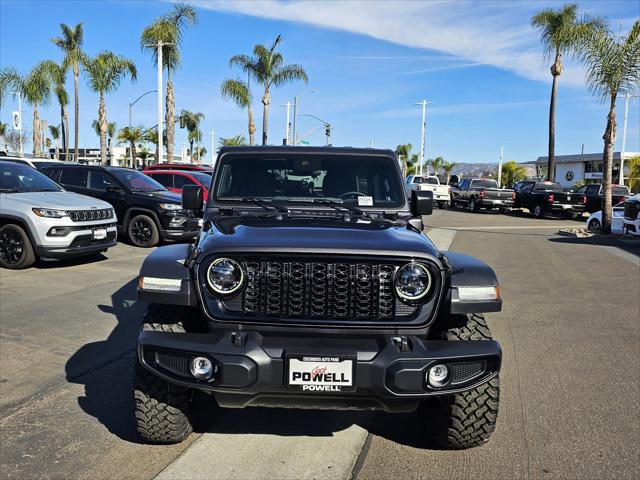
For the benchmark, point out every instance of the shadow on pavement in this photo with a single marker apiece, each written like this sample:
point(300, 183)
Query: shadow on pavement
point(70, 262)
point(629, 245)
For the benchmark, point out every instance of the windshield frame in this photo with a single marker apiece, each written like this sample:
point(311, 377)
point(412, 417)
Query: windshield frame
point(214, 202)
point(55, 187)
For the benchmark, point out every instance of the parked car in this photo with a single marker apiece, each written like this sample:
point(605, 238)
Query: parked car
point(179, 166)
point(594, 222)
point(631, 219)
point(593, 195)
point(37, 163)
point(543, 198)
point(329, 298)
point(174, 180)
point(430, 183)
point(147, 212)
point(481, 193)
point(38, 218)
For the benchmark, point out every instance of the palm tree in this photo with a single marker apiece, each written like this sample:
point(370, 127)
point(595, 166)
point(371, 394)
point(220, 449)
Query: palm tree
point(512, 173)
point(634, 174)
point(143, 154)
point(112, 129)
point(151, 136)
point(437, 163)
point(3, 132)
point(191, 121)
point(198, 153)
point(233, 141)
point(403, 152)
point(132, 136)
point(447, 167)
point(71, 44)
point(168, 29)
point(240, 93)
point(561, 32)
point(58, 73)
point(55, 134)
point(613, 67)
point(268, 69)
point(104, 73)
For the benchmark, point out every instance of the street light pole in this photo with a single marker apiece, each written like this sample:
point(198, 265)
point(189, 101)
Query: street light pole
point(424, 132)
point(21, 147)
point(130, 106)
point(624, 135)
point(500, 167)
point(326, 125)
point(288, 126)
point(213, 146)
point(159, 90)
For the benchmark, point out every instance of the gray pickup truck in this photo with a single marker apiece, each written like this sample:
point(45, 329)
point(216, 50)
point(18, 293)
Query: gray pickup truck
point(481, 193)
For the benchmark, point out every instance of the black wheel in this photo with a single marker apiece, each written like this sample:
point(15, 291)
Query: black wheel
point(594, 226)
point(473, 206)
point(452, 204)
point(538, 211)
point(161, 408)
point(442, 205)
point(142, 231)
point(467, 419)
point(16, 251)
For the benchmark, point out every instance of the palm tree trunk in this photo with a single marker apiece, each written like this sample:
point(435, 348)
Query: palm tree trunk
point(191, 151)
point(65, 121)
point(157, 153)
point(265, 115)
point(62, 128)
point(134, 154)
point(76, 74)
point(57, 151)
point(556, 69)
point(36, 132)
point(102, 120)
point(609, 138)
point(252, 126)
point(170, 125)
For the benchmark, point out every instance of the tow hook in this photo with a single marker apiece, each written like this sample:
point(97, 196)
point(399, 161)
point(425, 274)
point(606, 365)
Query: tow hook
point(402, 343)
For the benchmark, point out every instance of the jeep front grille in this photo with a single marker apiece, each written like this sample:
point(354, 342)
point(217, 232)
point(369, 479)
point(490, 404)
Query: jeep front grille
point(310, 289)
point(88, 215)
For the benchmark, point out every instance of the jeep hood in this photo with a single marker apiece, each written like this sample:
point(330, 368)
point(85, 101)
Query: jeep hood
point(355, 237)
point(59, 200)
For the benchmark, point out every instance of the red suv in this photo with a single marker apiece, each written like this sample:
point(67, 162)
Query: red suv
point(179, 166)
point(174, 180)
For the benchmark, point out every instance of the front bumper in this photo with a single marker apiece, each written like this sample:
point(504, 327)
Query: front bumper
point(251, 368)
point(81, 245)
point(631, 227)
point(180, 228)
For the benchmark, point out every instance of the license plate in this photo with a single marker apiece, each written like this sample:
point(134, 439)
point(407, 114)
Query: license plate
point(321, 373)
point(100, 234)
point(199, 222)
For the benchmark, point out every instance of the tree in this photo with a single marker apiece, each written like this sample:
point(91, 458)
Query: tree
point(447, 168)
point(512, 173)
point(58, 74)
point(403, 152)
point(235, 141)
point(613, 67)
point(168, 29)
point(437, 164)
point(132, 136)
point(634, 174)
point(143, 154)
point(71, 44)
point(55, 134)
point(268, 69)
point(198, 153)
point(561, 33)
point(191, 121)
point(104, 73)
point(240, 93)
point(151, 136)
point(15, 137)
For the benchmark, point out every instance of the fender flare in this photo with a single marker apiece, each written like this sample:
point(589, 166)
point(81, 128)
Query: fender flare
point(22, 223)
point(468, 271)
point(132, 211)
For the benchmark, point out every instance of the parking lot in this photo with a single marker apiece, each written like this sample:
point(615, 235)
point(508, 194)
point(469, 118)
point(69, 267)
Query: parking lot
point(570, 407)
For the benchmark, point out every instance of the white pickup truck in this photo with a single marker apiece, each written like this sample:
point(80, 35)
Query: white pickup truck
point(430, 183)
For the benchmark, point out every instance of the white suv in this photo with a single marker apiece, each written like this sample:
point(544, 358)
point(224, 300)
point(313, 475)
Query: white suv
point(38, 218)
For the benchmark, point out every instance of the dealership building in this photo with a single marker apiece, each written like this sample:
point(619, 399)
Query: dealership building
point(583, 168)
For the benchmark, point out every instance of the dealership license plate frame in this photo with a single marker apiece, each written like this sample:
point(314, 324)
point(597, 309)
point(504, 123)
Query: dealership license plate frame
point(320, 360)
point(99, 234)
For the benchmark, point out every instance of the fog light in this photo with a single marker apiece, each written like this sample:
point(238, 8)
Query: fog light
point(438, 375)
point(201, 368)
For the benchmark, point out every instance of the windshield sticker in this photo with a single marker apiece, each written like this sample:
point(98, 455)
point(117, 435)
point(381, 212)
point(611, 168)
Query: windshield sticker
point(365, 201)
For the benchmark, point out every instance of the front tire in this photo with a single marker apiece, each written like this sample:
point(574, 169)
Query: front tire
point(594, 226)
point(16, 251)
point(161, 409)
point(467, 419)
point(538, 211)
point(143, 232)
point(442, 205)
point(473, 205)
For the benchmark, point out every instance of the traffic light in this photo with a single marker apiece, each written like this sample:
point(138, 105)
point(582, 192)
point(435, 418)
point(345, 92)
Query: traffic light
point(327, 130)
point(182, 122)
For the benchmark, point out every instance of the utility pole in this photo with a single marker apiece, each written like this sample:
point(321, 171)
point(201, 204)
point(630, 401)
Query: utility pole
point(288, 126)
point(624, 135)
point(424, 132)
point(19, 94)
point(160, 102)
point(213, 146)
point(295, 116)
point(500, 167)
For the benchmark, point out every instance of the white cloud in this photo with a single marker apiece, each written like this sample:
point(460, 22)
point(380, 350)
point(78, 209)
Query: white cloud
point(491, 33)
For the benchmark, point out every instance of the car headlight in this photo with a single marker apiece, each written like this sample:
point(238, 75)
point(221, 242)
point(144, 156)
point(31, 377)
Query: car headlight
point(49, 212)
point(413, 281)
point(225, 276)
point(170, 206)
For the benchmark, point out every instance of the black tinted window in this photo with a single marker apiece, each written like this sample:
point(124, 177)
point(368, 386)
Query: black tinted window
point(484, 183)
point(75, 177)
point(18, 178)
point(99, 180)
point(180, 180)
point(165, 179)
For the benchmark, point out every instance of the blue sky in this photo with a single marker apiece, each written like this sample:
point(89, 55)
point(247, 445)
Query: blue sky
point(369, 62)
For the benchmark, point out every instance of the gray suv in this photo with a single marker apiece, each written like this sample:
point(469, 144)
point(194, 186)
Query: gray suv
point(38, 218)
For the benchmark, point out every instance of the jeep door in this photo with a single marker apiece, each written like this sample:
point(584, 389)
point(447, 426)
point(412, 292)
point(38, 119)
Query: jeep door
point(106, 187)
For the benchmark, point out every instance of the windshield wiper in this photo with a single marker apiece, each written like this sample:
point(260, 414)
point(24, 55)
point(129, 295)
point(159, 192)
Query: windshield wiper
point(267, 205)
point(9, 190)
point(340, 206)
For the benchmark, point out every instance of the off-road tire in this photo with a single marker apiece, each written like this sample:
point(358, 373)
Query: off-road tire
point(473, 205)
point(538, 211)
point(16, 238)
point(143, 232)
point(442, 205)
point(467, 419)
point(161, 409)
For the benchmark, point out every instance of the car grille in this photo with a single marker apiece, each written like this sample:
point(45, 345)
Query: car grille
point(311, 289)
point(88, 215)
point(631, 210)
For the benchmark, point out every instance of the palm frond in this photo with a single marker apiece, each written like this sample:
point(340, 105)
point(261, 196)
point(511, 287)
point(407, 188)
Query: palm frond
point(288, 74)
point(236, 90)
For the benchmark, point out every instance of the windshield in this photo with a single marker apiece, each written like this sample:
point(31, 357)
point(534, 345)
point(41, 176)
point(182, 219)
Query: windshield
point(429, 180)
point(17, 178)
point(484, 183)
point(137, 181)
point(619, 190)
point(366, 181)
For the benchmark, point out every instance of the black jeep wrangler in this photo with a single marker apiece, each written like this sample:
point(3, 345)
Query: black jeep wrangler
point(312, 285)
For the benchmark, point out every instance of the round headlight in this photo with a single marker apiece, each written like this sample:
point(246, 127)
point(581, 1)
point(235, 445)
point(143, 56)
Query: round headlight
point(413, 281)
point(225, 276)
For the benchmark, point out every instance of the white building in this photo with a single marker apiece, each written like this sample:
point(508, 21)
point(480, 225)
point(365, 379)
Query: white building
point(584, 167)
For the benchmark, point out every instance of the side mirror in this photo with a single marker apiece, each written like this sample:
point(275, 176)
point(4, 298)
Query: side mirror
point(115, 189)
point(192, 197)
point(421, 203)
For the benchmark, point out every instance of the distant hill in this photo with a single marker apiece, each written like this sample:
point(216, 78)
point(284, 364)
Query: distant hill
point(475, 169)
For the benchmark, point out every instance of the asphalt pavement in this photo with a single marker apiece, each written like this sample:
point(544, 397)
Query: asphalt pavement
point(570, 400)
